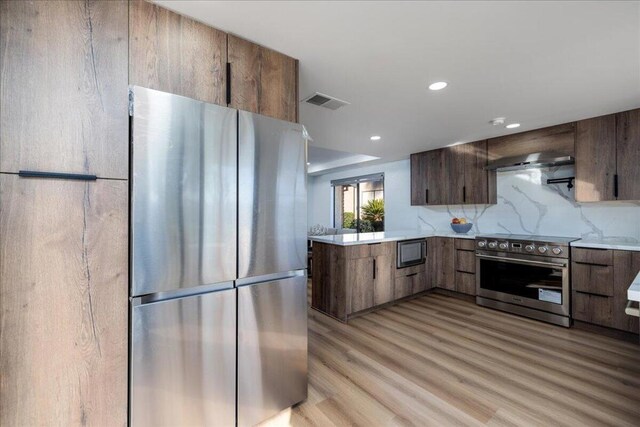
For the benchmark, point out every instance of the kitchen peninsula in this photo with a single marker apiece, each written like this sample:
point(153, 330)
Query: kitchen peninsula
point(356, 273)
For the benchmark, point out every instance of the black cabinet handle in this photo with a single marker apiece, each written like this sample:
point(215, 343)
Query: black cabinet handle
point(411, 275)
point(464, 193)
point(426, 195)
point(374, 269)
point(57, 175)
point(592, 294)
point(228, 83)
point(615, 186)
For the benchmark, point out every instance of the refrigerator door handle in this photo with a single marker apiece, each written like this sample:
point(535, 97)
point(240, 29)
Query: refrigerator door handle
point(180, 293)
point(269, 277)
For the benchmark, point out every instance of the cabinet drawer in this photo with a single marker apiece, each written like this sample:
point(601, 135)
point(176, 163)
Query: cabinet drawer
point(466, 244)
point(592, 278)
point(400, 272)
point(592, 256)
point(466, 261)
point(388, 248)
point(466, 283)
point(357, 251)
point(410, 284)
point(592, 308)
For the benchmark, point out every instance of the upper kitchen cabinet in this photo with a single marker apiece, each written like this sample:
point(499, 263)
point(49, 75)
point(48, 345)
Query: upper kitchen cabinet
point(557, 139)
point(608, 157)
point(596, 159)
point(63, 104)
point(262, 81)
point(175, 54)
point(452, 175)
point(628, 154)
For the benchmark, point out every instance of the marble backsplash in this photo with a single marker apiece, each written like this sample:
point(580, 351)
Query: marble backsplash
point(528, 205)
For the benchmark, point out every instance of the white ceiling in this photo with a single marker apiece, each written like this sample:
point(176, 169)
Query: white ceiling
point(536, 63)
point(322, 160)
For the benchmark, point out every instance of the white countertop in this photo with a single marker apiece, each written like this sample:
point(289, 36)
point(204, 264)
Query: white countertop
point(385, 236)
point(633, 293)
point(611, 243)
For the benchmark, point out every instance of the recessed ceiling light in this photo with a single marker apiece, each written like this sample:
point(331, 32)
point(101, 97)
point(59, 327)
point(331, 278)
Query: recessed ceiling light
point(308, 163)
point(513, 125)
point(376, 138)
point(438, 85)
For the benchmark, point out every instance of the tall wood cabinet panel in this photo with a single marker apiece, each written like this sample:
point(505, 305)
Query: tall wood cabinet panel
point(263, 81)
point(63, 104)
point(628, 154)
point(63, 300)
point(595, 159)
point(454, 170)
point(173, 53)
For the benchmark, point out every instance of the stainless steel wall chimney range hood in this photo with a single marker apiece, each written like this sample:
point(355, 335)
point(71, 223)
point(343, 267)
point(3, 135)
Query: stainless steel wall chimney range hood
point(530, 161)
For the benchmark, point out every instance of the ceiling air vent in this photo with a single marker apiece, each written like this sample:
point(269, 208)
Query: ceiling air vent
point(326, 101)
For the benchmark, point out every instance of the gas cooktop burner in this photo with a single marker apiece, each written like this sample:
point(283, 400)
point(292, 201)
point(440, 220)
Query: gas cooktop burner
point(552, 246)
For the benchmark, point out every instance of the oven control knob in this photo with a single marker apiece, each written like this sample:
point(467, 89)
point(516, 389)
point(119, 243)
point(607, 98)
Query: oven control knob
point(556, 251)
point(493, 245)
point(482, 243)
point(529, 248)
point(542, 249)
point(503, 245)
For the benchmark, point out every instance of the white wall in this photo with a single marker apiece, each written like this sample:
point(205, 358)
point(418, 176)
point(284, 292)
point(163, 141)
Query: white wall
point(526, 205)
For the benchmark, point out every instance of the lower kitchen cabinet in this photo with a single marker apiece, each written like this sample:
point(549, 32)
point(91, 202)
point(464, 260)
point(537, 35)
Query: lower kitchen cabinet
point(599, 280)
point(63, 301)
point(465, 266)
point(442, 260)
point(411, 284)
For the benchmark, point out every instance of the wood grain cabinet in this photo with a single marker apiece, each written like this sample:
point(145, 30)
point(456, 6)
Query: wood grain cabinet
point(608, 157)
point(63, 299)
point(172, 53)
point(452, 175)
point(599, 280)
point(63, 104)
point(351, 279)
point(262, 80)
point(441, 260)
point(465, 266)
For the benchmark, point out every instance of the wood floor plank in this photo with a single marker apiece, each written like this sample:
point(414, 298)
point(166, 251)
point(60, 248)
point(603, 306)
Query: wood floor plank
point(437, 360)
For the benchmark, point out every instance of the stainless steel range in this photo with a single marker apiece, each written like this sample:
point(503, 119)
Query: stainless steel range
point(525, 275)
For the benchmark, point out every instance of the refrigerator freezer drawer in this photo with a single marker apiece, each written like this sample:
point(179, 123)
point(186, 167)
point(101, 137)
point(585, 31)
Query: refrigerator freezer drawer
point(183, 209)
point(272, 348)
point(272, 196)
point(183, 361)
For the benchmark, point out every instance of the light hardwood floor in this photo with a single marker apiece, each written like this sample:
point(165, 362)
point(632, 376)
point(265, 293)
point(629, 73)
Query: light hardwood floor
point(438, 360)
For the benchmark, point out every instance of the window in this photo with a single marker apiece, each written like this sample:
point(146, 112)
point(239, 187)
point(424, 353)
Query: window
point(359, 203)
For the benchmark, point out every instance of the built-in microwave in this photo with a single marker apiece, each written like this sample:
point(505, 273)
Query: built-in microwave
point(411, 252)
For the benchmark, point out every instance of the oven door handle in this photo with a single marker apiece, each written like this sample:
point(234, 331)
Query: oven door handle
point(521, 261)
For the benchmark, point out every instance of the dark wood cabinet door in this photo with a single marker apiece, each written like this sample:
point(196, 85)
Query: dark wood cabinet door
point(626, 267)
point(436, 185)
point(418, 179)
point(263, 81)
point(453, 175)
point(64, 104)
point(628, 154)
point(359, 277)
point(63, 302)
point(595, 159)
point(476, 178)
point(175, 54)
point(465, 283)
point(444, 260)
point(592, 308)
point(383, 290)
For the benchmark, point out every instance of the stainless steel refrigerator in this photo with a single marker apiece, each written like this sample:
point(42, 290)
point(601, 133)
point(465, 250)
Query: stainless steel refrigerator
point(218, 242)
